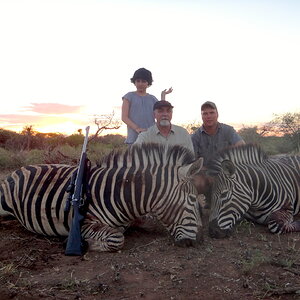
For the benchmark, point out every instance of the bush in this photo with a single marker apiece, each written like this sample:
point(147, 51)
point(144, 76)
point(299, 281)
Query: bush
point(64, 154)
point(6, 159)
point(74, 139)
point(96, 151)
point(116, 140)
point(5, 135)
point(34, 157)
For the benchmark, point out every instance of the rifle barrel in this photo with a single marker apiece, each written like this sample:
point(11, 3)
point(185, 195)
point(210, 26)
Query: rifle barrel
point(75, 243)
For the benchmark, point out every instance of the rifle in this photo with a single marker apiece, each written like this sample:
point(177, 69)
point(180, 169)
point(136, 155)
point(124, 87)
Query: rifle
point(75, 243)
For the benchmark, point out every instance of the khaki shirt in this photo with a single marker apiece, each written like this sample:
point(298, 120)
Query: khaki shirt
point(177, 136)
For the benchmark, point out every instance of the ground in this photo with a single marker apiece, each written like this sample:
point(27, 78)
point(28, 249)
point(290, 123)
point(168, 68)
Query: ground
point(251, 264)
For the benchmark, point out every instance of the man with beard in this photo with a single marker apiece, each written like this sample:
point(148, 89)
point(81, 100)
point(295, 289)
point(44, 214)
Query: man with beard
point(163, 132)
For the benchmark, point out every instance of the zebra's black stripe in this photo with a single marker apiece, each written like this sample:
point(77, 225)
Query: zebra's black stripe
point(255, 186)
point(123, 186)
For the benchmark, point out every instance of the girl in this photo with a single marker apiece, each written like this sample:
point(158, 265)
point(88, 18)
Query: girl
point(137, 108)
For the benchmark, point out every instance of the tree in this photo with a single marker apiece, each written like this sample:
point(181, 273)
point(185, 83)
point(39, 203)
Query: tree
point(251, 135)
point(105, 122)
point(6, 135)
point(28, 132)
point(287, 125)
point(75, 139)
point(192, 127)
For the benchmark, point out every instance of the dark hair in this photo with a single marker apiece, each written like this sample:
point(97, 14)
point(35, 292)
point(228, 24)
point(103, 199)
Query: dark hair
point(144, 74)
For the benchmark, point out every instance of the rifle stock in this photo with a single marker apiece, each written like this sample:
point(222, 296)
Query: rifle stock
point(75, 242)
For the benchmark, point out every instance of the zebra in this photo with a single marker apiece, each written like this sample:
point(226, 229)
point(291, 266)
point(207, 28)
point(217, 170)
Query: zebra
point(144, 179)
point(247, 183)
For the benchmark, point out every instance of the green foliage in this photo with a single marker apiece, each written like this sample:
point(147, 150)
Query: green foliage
point(271, 144)
point(288, 125)
point(34, 156)
point(277, 145)
point(96, 151)
point(14, 159)
point(16, 142)
point(245, 226)
point(64, 154)
point(74, 139)
point(6, 135)
point(253, 259)
point(54, 139)
point(17, 159)
point(52, 148)
point(6, 159)
point(31, 147)
point(116, 140)
point(250, 135)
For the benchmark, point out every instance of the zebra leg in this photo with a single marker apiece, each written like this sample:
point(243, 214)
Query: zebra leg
point(281, 221)
point(148, 222)
point(293, 227)
point(101, 237)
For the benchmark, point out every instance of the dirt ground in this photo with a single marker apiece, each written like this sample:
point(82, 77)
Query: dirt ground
point(252, 264)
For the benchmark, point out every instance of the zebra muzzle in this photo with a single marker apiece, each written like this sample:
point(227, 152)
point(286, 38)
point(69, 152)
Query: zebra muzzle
point(216, 232)
point(187, 242)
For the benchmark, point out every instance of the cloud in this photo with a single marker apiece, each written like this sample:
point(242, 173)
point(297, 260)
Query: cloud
point(19, 119)
point(37, 120)
point(42, 123)
point(52, 108)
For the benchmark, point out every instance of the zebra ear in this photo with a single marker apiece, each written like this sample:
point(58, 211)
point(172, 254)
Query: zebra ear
point(228, 167)
point(192, 169)
point(195, 167)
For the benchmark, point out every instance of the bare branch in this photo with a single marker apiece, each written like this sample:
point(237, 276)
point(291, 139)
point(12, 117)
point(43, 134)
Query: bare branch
point(105, 122)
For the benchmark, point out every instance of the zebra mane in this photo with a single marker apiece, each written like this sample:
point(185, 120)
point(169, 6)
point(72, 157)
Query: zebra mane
point(246, 154)
point(157, 153)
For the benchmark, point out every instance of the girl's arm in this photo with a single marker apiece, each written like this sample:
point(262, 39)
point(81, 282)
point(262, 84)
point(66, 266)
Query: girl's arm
point(166, 92)
point(126, 119)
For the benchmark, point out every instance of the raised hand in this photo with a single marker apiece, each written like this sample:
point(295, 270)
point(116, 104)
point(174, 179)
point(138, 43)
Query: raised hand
point(166, 92)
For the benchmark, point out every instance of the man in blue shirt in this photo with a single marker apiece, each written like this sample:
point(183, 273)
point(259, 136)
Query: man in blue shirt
point(213, 136)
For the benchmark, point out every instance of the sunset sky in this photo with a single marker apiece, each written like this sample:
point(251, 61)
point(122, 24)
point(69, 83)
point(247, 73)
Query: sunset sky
point(64, 62)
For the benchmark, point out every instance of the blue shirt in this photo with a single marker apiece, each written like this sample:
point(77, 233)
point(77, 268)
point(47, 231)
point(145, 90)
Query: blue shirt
point(207, 146)
point(140, 112)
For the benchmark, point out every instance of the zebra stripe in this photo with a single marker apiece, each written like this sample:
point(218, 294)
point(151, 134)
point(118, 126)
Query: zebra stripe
point(123, 186)
point(249, 184)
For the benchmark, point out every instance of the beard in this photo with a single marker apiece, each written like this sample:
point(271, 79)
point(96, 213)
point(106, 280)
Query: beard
point(164, 123)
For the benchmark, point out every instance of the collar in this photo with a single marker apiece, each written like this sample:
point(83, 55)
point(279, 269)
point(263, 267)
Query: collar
point(158, 132)
point(203, 130)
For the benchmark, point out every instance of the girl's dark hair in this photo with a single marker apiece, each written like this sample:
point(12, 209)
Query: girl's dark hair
point(144, 74)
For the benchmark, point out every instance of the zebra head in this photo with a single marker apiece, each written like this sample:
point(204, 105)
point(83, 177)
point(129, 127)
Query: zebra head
point(230, 200)
point(183, 220)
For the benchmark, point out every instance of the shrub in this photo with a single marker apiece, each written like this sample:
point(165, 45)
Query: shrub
point(74, 139)
point(35, 156)
point(96, 151)
point(6, 159)
point(64, 154)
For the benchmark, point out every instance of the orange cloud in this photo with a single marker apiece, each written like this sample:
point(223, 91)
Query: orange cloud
point(52, 108)
point(42, 123)
point(20, 119)
point(48, 117)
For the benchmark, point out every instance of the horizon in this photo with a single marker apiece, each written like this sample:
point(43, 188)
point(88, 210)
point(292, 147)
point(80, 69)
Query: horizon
point(123, 129)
